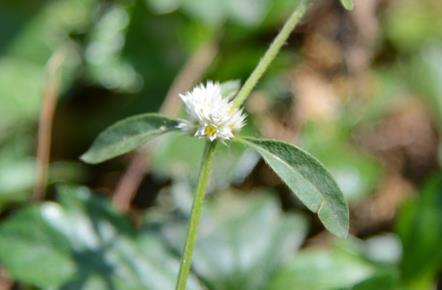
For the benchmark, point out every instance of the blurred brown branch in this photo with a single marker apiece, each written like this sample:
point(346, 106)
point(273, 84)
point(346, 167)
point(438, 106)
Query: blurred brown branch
point(50, 93)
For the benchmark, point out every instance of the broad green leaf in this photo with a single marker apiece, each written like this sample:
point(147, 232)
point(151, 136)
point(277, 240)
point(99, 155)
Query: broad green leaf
point(242, 241)
point(308, 179)
point(127, 135)
point(420, 229)
point(83, 243)
point(348, 4)
point(340, 266)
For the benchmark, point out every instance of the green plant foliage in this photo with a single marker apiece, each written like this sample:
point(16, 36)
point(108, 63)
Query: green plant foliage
point(243, 12)
point(127, 135)
point(83, 243)
point(427, 79)
point(420, 228)
point(341, 266)
point(355, 172)
point(103, 52)
point(308, 180)
point(347, 4)
point(243, 241)
point(413, 24)
point(24, 55)
point(387, 280)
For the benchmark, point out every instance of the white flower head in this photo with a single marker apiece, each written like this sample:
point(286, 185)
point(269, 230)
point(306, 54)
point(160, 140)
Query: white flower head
point(212, 115)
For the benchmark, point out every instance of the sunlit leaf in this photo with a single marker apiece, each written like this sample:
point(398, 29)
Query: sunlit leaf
point(127, 135)
point(323, 269)
point(308, 180)
point(242, 241)
point(83, 243)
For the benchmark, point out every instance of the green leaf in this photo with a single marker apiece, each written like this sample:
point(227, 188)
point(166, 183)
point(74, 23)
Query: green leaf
point(356, 173)
point(308, 179)
point(420, 229)
point(127, 135)
point(83, 243)
point(348, 4)
point(240, 246)
point(105, 64)
point(319, 268)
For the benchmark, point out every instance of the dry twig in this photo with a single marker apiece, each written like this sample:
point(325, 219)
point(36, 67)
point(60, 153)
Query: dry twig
point(50, 93)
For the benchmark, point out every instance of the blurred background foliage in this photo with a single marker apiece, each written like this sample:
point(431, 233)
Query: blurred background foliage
point(361, 90)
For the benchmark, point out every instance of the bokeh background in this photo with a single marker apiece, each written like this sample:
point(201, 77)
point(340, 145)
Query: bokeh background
point(360, 90)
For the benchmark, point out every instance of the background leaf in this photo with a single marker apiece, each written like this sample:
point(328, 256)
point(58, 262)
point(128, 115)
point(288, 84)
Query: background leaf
point(420, 229)
point(242, 241)
point(83, 243)
point(347, 4)
point(341, 266)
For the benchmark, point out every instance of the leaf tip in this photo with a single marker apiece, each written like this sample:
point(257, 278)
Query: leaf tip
point(87, 158)
point(347, 4)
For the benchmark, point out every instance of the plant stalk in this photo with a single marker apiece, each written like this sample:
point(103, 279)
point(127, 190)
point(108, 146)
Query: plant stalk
point(195, 215)
point(271, 52)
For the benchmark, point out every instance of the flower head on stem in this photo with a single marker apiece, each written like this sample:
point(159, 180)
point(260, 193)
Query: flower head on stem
point(212, 115)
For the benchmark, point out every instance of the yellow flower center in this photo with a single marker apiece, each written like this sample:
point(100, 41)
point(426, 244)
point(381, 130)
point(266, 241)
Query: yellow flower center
point(210, 131)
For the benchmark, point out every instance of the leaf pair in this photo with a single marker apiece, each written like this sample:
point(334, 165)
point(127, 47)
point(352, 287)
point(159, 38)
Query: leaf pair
point(302, 173)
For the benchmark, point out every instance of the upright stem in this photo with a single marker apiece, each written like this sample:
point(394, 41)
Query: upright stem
point(271, 52)
point(195, 216)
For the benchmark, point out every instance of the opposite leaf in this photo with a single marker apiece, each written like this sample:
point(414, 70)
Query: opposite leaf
point(127, 135)
point(308, 179)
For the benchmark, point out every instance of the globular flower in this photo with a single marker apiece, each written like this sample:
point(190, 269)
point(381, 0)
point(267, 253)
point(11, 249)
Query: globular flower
point(212, 115)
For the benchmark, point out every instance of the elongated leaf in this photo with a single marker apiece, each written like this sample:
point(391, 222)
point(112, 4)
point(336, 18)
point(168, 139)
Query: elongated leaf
point(308, 179)
point(126, 135)
point(348, 4)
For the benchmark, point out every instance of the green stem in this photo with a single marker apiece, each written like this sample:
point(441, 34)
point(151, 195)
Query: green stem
point(271, 52)
point(195, 215)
